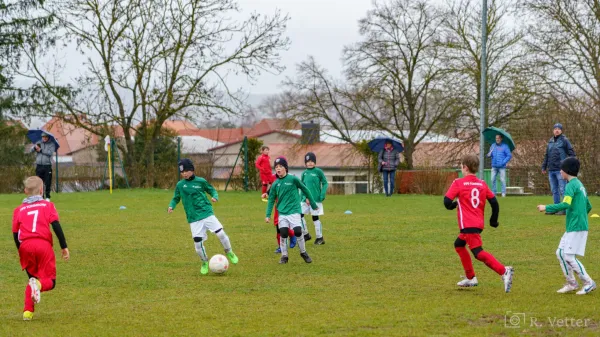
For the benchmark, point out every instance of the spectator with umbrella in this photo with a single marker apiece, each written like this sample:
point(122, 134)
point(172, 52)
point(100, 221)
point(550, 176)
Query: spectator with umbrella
point(500, 152)
point(45, 146)
point(388, 159)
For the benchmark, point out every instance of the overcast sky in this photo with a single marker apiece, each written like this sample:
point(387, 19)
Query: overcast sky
point(319, 28)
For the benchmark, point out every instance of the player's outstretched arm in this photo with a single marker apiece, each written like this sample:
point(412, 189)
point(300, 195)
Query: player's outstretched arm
point(59, 234)
point(16, 238)
point(175, 200)
point(450, 204)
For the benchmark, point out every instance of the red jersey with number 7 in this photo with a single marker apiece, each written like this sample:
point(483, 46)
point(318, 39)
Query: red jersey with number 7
point(472, 193)
point(32, 221)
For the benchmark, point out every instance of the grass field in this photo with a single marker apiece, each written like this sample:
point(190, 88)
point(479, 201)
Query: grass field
point(389, 269)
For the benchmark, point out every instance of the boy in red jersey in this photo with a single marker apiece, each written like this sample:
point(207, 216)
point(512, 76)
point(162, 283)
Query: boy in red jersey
point(31, 231)
point(263, 164)
point(472, 193)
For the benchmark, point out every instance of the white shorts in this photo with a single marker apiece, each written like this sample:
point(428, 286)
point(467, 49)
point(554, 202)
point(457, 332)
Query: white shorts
point(574, 242)
point(289, 221)
point(199, 227)
point(307, 210)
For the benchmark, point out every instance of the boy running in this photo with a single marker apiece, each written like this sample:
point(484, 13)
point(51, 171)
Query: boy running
point(31, 231)
point(199, 212)
point(472, 194)
point(314, 179)
point(285, 191)
point(573, 242)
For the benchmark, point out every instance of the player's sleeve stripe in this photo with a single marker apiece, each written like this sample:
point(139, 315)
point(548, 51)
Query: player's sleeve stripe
point(567, 199)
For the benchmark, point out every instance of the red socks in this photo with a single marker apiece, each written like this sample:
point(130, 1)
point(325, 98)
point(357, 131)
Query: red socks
point(465, 258)
point(491, 262)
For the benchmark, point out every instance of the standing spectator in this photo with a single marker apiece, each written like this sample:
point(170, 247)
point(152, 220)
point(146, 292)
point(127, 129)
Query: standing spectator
point(388, 158)
point(500, 154)
point(43, 162)
point(557, 150)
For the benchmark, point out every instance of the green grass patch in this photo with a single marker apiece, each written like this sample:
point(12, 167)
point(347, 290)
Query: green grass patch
point(389, 269)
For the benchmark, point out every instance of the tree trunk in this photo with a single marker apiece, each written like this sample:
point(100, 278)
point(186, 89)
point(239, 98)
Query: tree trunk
point(408, 154)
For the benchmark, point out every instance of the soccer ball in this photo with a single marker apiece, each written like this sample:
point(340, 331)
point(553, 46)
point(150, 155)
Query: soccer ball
point(218, 264)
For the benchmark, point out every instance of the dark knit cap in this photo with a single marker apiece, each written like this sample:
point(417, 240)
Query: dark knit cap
point(186, 165)
point(281, 161)
point(558, 125)
point(570, 166)
point(310, 157)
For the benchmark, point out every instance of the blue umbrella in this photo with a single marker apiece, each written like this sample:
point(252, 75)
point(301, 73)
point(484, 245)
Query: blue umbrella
point(35, 136)
point(377, 144)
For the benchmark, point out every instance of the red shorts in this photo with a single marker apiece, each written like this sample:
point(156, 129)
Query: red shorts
point(267, 179)
point(472, 239)
point(37, 257)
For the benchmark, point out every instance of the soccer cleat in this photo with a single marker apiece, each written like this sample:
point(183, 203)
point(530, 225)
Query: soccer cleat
point(468, 283)
point(319, 241)
point(307, 237)
point(278, 250)
point(587, 288)
point(507, 278)
point(568, 288)
point(550, 213)
point(306, 258)
point(48, 199)
point(503, 195)
point(283, 260)
point(293, 241)
point(36, 287)
point(27, 315)
point(560, 213)
point(204, 268)
point(232, 257)
point(265, 200)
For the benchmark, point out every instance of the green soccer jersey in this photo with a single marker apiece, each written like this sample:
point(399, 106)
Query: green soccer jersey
point(315, 181)
point(193, 196)
point(576, 204)
point(285, 191)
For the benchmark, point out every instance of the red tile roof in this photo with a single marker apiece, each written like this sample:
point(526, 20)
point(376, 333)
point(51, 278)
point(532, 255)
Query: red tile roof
point(70, 137)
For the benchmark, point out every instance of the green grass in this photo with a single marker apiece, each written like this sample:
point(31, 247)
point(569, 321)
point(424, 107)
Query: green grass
point(389, 269)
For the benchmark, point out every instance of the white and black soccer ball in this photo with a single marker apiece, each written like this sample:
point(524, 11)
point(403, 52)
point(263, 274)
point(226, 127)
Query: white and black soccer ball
point(218, 264)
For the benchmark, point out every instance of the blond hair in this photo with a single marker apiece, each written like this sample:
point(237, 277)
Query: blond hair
point(471, 161)
point(33, 185)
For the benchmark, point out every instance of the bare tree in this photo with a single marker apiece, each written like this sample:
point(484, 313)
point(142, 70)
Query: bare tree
point(564, 37)
point(393, 77)
point(509, 89)
point(149, 61)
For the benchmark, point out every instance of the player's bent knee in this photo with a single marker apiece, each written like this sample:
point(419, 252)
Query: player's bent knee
point(197, 239)
point(298, 231)
point(284, 232)
point(315, 218)
point(476, 251)
point(459, 243)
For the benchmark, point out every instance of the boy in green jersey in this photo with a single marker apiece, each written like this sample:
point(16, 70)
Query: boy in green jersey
point(573, 242)
point(191, 190)
point(285, 191)
point(314, 179)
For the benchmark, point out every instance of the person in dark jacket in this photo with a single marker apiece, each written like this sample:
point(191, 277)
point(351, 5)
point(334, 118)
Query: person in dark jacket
point(559, 148)
point(388, 158)
point(43, 162)
point(501, 155)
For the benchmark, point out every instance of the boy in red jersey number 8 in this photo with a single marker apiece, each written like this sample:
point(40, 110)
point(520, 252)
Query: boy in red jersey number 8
point(472, 193)
point(31, 231)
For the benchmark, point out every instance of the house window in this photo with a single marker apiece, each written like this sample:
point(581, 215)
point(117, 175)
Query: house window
point(361, 185)
point(338, 185)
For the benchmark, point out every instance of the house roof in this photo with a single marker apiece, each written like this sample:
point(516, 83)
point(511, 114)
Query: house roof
point(334, 136)
point(255, 136)
point(233, 135)
point(70, 137)
point(179, 125)
point(197, 144)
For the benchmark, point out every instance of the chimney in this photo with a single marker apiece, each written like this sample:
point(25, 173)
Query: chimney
point(310, 133)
